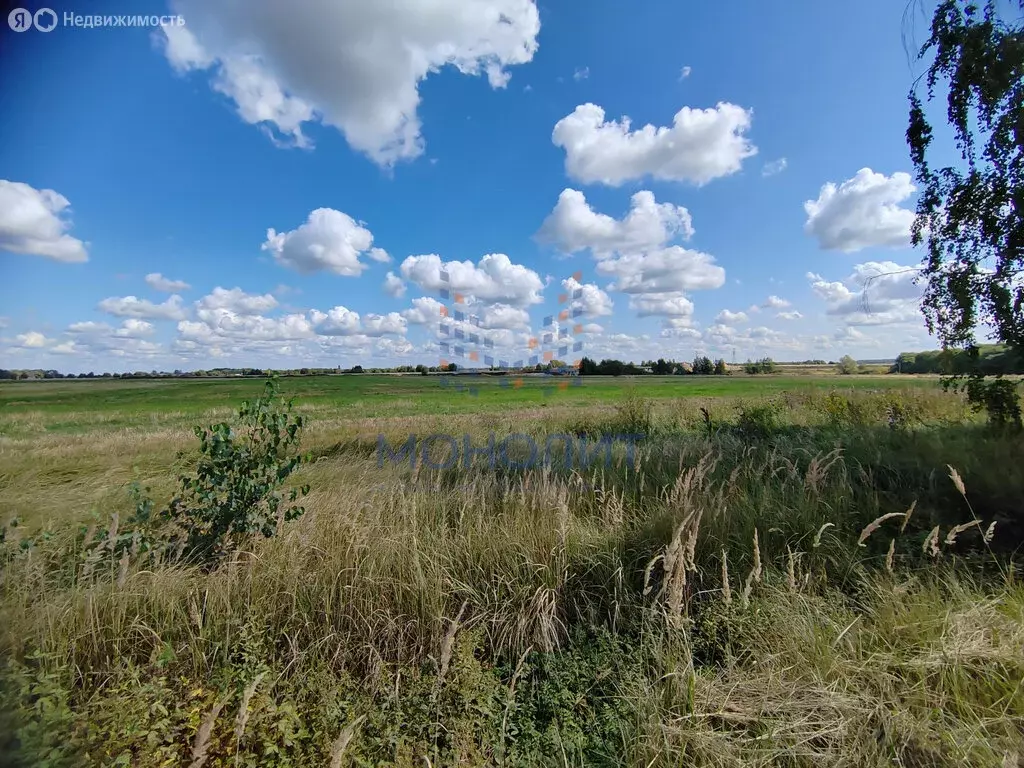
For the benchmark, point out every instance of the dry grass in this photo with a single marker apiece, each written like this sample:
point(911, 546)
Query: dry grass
point(474, 617)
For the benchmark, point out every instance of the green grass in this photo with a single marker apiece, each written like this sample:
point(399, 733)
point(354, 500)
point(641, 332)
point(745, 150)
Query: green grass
point(480, 617)
point(125, 403)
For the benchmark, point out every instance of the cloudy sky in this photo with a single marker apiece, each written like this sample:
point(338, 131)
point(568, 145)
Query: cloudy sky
point(332, 182)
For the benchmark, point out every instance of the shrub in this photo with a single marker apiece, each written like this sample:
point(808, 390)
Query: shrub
point(847, 366)
point(235, 489)
point(761, 420)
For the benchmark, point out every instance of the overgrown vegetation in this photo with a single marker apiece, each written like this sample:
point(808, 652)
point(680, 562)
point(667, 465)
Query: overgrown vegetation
point(792, 580)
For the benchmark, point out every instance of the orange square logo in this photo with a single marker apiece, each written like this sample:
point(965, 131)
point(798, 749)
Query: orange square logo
point(549, 356)
point(474, 356)
point(562, 298)
point(532, 343)
point(444, 311)
point(578, 328)
point(460, 298)
point(563, 315)
point(577, 275)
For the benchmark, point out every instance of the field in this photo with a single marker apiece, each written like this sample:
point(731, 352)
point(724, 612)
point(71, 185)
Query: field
point(790, 571)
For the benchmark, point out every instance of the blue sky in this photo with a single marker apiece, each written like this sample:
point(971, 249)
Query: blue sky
point(428, 130)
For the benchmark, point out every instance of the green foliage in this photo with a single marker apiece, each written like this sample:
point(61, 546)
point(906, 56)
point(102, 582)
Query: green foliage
point(634, 414)
point(998, 398)
point(702, 366)
point(764, 365)
point(235, 490)
point(721, 369)
point(760, 420)
point(847, 365)
point(971, 216)
point(987, 359)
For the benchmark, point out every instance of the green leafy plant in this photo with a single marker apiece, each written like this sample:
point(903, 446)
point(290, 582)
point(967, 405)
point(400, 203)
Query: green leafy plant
point(236, 489)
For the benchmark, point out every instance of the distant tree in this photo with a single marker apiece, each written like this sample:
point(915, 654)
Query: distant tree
point(764, 365)
point(359, 369)
point(451, 368)
point(721, 369)
point(702, 366)
point(421, 369)
point(588, 367)
point(847, 365)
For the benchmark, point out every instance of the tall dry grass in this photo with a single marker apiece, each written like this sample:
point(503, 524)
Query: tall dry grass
point(481, 617)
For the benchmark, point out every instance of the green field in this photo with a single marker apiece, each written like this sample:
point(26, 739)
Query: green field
point(63, 405)
point(751, 591)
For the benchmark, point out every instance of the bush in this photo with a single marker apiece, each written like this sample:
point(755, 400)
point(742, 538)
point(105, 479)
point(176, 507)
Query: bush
point(764, 365)
point(762, 420)
point(847, 366)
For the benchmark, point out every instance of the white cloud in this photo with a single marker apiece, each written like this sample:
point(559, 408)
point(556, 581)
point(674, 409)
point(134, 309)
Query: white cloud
point(380, 325)
point(581, 73)
point(31, 223)
point(502, 316)
point(222, 326)
point(701, 145)
point(352, 65)
point(684, 73)
point(329, 240)
point(774, 302)
point(379, 255)
point(587, 297)
point(647, 305)
point(794, 315)
point(32, 340)
point(862, 212)
point(494, 279)
point(876, 293)
point(394, 286)
point(158, 282)
point(237, 301)
point(574, 226)
point(666, 270)
point(132, 306)
point(774, 167)
point(725, 317)
point(424, 311)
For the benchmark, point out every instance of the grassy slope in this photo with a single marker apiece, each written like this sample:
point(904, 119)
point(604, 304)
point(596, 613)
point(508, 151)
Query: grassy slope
point(471, 618)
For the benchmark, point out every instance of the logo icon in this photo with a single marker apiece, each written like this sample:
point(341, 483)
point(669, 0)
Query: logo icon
point(464, 336)
point(19, 20)
point(45, 20)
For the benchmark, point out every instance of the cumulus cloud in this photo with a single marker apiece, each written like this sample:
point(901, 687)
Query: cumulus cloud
point(353, 65)
point(581, 73)
point(647, 305)
point(574, 226)
point(794, 315)
point(132, 306)
point(379, 255)
point(774, 302)
point(700, 146)
point(329, 241)
point(495, 279)
point(423, 311)
point(237, 301)
point(876, 293)
point(725, 317)
point(393, 285)
point(587, 297)
point(158, 282)
point(862, 212)
point(33, 222)
point(665, 270)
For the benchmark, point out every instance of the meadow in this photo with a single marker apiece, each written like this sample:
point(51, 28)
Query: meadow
point(794, 571)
